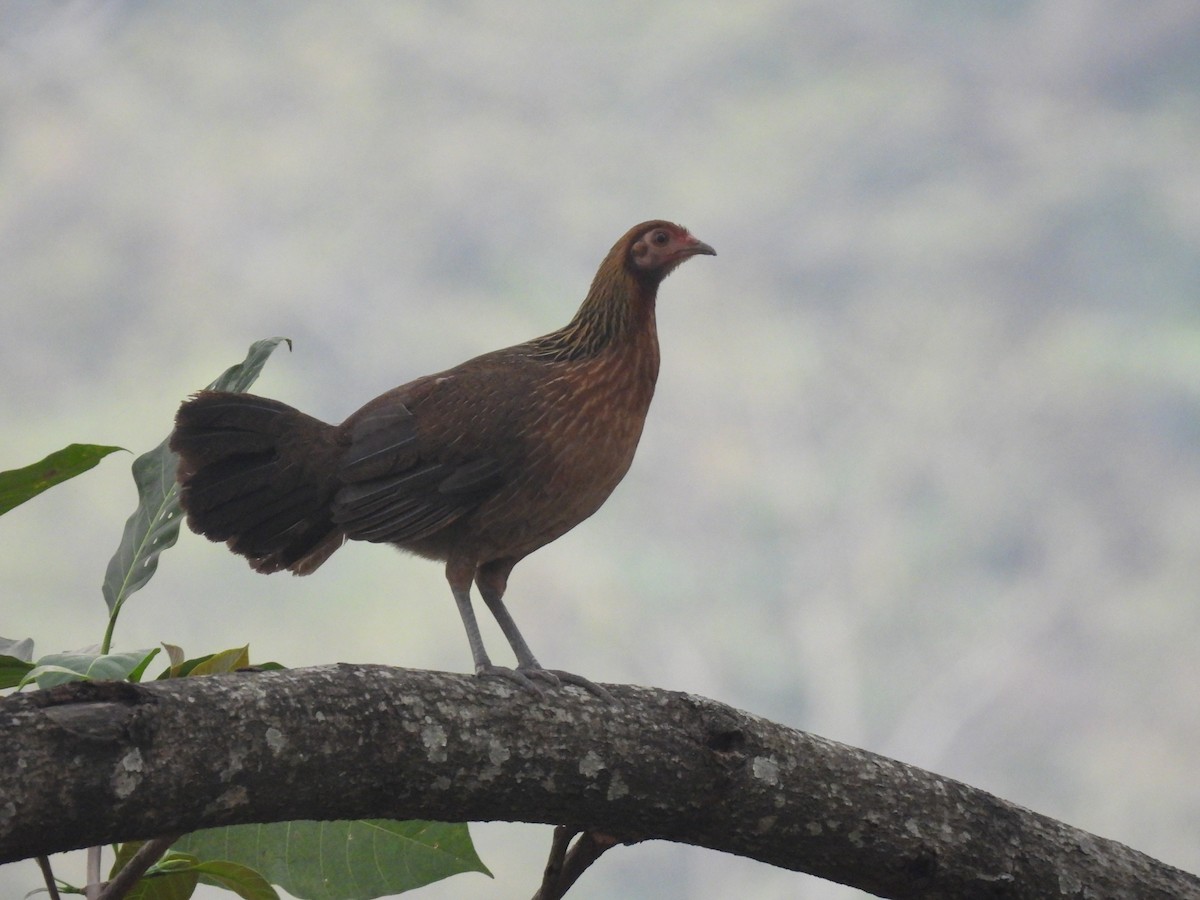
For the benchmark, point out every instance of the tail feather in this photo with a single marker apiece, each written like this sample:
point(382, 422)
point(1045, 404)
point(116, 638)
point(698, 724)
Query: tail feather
point(216, 425)
point(229, 481)
point(259, 475)
point(263, 519)
point(213, 444)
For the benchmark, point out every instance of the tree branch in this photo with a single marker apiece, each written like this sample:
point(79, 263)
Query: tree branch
point(92, 763)
point(568, 861)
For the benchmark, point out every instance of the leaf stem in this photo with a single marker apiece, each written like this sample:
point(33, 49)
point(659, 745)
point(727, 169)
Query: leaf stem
point(48, 874)
point(148, 854)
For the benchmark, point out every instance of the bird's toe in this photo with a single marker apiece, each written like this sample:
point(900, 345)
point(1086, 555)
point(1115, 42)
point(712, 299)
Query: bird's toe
point(520, 677)
point(561, 677)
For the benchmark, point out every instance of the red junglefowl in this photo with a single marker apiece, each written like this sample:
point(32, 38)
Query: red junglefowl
point(477, 466)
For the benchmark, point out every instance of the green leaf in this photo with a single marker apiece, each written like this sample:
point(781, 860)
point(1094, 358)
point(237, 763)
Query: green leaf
point(241, 880)
point(241, 376)
point(19, 485)
point(179, 885)
point(181, 667)
point(16, 660)
point(136, 673)
point(22, 649)
point(171, 878)
point(357, 860)
point(176, 655)
point(224, 662)
point(212, 663)
point(175, 876)
point(13, 671)
point(154, 525)
point(59, 668)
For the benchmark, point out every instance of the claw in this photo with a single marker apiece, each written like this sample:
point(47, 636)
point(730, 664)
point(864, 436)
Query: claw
point(516, 676)
point(527, 678)
point(539, 674)
point(580, 682)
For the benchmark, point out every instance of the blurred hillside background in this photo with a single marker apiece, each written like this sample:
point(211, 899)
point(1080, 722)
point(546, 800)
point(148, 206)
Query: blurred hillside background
point(923, 470)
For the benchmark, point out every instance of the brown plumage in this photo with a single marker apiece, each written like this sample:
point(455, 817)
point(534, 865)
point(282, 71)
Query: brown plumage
point(477, 466)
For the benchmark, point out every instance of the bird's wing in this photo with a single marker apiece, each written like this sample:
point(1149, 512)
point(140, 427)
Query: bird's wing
point(403, 477)
point(382, 440)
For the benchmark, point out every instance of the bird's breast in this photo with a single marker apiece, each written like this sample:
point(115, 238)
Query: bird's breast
point(580, 432)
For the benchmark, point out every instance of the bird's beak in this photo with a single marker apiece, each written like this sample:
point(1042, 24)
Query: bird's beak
point(699, 248)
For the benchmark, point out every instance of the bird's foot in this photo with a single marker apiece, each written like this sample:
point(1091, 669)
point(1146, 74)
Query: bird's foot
point(558, 676)
point(520, 677)
point(528, 678)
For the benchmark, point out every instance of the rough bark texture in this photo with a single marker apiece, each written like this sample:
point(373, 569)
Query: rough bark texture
point(89, 764)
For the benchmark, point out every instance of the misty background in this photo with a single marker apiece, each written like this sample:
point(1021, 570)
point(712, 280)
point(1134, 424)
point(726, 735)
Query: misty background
point(922, 474)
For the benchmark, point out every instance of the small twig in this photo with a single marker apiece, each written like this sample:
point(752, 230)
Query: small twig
point(148, 854)
point(564, 866)
point(48, 873)
point(92, 890)
point(554, 863)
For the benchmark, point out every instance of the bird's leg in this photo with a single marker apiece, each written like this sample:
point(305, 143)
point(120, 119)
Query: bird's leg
point(462, 596)
point(492, 579)
point(459, 575)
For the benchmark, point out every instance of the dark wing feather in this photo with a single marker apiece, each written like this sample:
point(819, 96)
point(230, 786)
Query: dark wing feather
point(413, 504)
point(383, 440)
point(472, 477)
point(401, 483)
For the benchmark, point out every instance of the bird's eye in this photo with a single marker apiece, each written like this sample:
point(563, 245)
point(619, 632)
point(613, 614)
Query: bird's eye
point(660, 238)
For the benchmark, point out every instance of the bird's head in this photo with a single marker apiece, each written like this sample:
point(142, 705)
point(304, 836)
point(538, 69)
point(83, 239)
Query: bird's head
point(621, 299)
point(653, 249)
